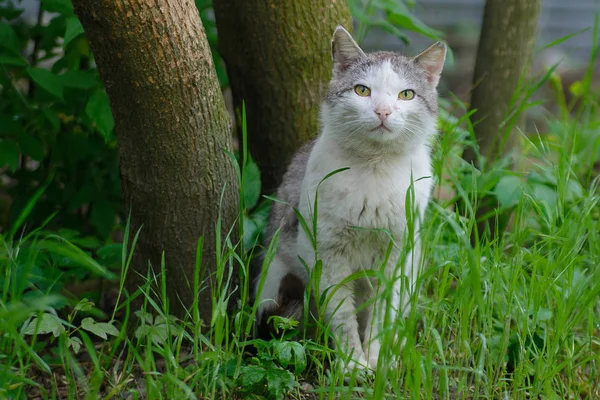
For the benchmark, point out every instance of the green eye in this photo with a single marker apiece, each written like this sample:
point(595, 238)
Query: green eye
point(362, 90)
point(407, 94)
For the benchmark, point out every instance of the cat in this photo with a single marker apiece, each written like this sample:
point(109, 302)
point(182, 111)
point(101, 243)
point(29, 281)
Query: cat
point(378, 120)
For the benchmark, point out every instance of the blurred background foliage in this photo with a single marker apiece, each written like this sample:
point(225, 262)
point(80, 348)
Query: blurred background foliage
point(55, 121)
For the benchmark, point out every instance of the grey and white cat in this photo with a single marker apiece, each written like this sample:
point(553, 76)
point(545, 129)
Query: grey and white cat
point(378, 119)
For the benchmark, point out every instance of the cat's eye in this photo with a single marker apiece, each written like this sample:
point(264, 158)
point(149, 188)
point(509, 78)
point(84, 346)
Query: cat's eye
point(362, 90)
point(407, 94)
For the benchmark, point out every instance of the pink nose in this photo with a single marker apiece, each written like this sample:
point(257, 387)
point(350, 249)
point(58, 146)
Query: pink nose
point(383, 112)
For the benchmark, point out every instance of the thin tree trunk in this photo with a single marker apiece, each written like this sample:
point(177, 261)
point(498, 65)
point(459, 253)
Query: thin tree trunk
point(172, 127)
point(506, 43)
point(278, 60)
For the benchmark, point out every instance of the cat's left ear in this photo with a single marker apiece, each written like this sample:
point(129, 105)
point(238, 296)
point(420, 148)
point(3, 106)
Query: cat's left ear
point(432, 60)
point(344, 50)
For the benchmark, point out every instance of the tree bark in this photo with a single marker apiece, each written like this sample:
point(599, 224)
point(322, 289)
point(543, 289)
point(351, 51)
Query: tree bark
point(506, 43)
point(278, 61)
point(172, 128)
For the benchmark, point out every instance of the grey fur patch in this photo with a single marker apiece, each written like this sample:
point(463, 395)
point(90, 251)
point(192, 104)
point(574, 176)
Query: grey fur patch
point(283, 216)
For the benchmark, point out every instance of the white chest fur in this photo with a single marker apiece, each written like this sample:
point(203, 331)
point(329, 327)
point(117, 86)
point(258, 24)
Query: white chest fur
point(370, 194)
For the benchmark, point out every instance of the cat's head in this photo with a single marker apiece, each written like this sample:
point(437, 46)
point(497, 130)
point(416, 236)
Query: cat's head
point(381, 97)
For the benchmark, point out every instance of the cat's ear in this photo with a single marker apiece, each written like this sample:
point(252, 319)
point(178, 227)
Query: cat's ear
point(344, 50)
point(432, 60)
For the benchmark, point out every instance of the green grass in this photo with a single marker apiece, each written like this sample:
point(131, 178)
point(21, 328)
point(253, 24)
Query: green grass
point(517, 317)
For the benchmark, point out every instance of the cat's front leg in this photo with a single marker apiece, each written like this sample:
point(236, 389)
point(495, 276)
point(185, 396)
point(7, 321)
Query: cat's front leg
point(369, 319)
point(404, 285)
point(340, 302)
point(371, 341)
point(340, 313)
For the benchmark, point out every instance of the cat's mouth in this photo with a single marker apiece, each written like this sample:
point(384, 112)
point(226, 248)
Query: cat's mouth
point(381, 128)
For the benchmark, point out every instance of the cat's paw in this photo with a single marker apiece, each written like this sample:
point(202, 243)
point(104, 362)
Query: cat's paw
point(372, 350)
point(373, 359)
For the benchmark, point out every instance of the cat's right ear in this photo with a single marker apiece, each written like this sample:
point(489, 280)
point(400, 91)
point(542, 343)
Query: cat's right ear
point(432, 59)
point(344, 50)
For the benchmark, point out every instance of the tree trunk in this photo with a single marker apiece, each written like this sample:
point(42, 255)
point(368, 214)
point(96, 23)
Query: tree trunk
point(278, 60)
point(506, 43)
point(172, 127)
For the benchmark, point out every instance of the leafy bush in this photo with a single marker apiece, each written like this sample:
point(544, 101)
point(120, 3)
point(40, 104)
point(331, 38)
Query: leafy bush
point(56, 127)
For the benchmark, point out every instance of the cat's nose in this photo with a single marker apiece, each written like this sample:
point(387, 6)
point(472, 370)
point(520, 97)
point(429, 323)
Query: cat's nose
point(383, 112)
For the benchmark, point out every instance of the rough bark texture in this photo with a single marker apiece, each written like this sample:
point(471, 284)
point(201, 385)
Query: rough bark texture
point(172, 127)
point(278, 60)
point(507, 39)
point(506, 43)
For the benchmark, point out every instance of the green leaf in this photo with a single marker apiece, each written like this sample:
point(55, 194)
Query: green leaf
point(9, 12)
point(109, 328)
point(84, 305)
point(283, 352)
point(63, 7)
point(291, 353)
point(260, 214)
point(144, 317)
point(88, 242)
point(8, 38)
point(544, 194)
point(13, 61)
point(9, 155)
point(574, 190)
point(110, 254)
point(31, 146)
point(170, 319)
point(90, 325)
point(508, 190)
point(250, 232)
point(408, 21)
point(59, 246)
point(46, 80)
point(252, 374)
point(48, 323)
point(99, 328)
point(79, 79)
point(280, 381)
point(73, 30)
point(284, 323)
point(159, 333)
point(98, 109)
point(543, 314)
point(75, 344)
point(251, 184)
